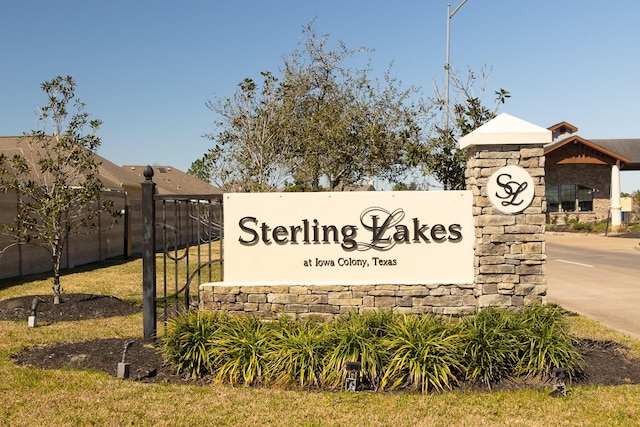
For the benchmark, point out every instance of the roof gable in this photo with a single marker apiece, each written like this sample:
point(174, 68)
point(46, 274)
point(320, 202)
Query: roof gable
point(562, 128)
point(108, 173)
point(577, 150)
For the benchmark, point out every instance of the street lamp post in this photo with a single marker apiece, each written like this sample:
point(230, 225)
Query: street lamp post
point(446, 65)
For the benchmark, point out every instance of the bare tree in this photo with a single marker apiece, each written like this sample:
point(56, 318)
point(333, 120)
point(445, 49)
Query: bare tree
point(441, 157)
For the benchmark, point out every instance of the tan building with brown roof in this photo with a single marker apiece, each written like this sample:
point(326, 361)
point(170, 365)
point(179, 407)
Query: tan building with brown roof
point(582, 176)
point(112, 238)
point(170, 180)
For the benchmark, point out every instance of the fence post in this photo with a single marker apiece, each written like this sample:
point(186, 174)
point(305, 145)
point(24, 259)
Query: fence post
point(126, 250)
point(148, 256)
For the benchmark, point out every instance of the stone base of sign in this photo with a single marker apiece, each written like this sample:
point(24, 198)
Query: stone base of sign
point(325, 302)
point(505, 164)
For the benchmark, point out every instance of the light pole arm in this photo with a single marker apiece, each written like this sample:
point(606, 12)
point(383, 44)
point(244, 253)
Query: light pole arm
point(456, 9)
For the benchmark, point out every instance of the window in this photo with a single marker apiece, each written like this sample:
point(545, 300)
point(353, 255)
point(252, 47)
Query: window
point(569, 198)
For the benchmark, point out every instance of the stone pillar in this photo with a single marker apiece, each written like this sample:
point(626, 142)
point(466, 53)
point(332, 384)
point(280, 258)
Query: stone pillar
point(616, 205)
point(505, 172)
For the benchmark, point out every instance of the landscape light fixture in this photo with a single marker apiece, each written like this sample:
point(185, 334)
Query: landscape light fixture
point(124, 369)
point(559, 388)
point(33, 318)
point(353, 369)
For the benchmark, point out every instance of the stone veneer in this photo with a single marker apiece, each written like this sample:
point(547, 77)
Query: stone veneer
point(328, 301)
point(510, 254)
point(509, 261)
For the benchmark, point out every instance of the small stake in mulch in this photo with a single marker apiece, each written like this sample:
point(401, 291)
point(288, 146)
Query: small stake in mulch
point(351, 382)
point(124, 367)
point(33, 318)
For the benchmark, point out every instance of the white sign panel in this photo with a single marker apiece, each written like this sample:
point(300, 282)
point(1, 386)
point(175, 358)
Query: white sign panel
point(408, 237)
point(510, 189)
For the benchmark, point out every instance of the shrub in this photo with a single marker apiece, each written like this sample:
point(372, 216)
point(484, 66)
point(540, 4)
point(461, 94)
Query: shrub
point(239, 355)
point(418, 352)
point(582, 226)
point(491, 345)
point(357, 338)
point(424, 354)
point(189, 339)
point(599, 227)
point(545, 342)
point(299, 349)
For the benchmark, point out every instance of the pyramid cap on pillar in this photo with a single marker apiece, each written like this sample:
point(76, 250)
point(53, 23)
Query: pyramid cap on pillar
point(505, 129)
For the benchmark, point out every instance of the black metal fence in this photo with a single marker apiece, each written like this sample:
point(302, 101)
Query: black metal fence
point(182, 240)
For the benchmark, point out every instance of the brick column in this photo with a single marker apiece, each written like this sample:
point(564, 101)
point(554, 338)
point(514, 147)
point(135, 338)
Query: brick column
point(505, 172)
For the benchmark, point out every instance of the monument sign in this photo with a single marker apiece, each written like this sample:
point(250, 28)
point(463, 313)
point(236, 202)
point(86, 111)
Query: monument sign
point(410, 237)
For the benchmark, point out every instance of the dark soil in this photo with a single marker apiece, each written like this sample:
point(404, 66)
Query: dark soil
point(73, 307)
point(605, 362)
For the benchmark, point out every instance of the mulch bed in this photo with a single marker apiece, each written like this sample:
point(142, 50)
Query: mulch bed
point(605, 362)
point(73, 307)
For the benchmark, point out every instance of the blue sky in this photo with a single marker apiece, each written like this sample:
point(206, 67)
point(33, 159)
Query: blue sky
point(147, 68)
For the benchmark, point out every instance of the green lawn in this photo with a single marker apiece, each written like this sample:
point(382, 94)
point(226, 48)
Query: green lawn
point(69, 397)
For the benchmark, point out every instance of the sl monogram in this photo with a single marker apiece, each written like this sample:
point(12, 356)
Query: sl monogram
point(510, 190)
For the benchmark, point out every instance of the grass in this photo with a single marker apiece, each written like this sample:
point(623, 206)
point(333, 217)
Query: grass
point(574, 224)
point(71, 397)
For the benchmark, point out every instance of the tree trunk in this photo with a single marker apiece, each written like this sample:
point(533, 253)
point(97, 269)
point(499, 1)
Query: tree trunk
point(57, 291)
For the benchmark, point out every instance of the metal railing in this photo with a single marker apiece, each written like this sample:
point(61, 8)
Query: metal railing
point(191, 239)
point(182, 238)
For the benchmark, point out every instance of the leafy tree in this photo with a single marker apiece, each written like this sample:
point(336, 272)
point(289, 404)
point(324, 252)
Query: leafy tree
point(401, 186)
point(247, 155)
point(202, 168)
point(343, 125)
point(55, 177)
point(323, 123)
point(635, 198)
point(441, 157)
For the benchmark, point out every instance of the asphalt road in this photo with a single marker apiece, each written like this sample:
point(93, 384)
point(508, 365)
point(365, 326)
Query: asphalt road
point(596, 276)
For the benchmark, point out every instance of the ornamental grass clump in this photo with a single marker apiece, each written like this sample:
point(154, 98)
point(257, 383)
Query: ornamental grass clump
point(491, 345)
point(239, 355)
point(424, 354)
point(298, 352)
point(545, 342)
point(357, 338)
point(189, 341)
